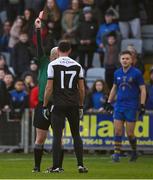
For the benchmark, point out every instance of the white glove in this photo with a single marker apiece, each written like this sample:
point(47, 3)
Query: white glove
point(46, 113)
point(81, 113)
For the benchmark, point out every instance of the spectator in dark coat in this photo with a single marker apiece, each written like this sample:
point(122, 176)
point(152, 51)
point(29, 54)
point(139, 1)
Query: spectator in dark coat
point(36, 5)
point(148, 4)
point(15, 8)
point(129, 20)
point(33, 70)
point(149, 103)
point(86, 34)
point(102, 6)
point(21, 55)
point(3, 64)
point(4, 97)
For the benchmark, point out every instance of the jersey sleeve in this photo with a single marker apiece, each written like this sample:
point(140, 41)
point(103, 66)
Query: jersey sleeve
point(50, 72)
point(139, 79)
point(81, 74)
point(115, 79)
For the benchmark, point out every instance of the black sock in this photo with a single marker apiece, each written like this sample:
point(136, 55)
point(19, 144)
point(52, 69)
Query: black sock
point(61, 158)
point(133, 143)
point(38, 152)
point(78, 146)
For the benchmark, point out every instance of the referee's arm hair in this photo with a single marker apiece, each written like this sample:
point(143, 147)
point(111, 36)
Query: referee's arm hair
point(81, 91)
point(48, 92)
point(143, 94)
point(112, 94)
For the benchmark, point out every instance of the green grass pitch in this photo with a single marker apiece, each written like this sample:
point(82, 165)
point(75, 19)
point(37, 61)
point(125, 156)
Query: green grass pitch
point(19, 166)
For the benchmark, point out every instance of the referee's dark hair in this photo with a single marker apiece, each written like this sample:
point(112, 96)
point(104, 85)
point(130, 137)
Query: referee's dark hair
point(64, 46)
point(125, 52)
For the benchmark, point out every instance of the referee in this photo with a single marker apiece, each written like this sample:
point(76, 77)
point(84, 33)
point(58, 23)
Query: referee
point(66, 85)
point(40, 123)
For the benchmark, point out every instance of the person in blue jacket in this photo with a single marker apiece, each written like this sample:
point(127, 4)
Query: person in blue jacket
point(96, 97)
point(63, 4)
point(103, 30)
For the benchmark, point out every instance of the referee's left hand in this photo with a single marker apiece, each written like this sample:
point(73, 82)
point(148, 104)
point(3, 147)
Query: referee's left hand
point(46, 113)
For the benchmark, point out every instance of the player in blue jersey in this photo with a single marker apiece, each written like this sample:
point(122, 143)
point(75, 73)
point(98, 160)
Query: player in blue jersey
point(130, 92)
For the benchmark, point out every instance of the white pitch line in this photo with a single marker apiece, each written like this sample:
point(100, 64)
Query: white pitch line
point(27, 159)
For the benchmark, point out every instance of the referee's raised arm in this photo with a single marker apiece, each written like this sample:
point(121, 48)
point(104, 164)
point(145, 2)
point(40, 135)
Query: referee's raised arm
point(40, 51)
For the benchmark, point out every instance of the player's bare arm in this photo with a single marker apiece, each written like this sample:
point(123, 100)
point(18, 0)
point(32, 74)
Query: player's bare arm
point(112, 93)
point(48, 92)
point(81, 91)
point(142, 94)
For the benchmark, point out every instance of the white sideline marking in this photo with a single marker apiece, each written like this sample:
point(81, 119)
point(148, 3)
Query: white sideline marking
point(28, 159)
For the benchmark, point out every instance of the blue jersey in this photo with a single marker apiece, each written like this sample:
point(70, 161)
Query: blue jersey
point(128, 91)
point(98, 100)
point(19, 99)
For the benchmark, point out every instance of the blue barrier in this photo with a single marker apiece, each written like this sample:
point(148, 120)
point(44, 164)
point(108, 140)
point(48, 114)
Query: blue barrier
point(97, 132)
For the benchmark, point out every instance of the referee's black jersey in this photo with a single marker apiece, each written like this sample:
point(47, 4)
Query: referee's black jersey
point(65, 73)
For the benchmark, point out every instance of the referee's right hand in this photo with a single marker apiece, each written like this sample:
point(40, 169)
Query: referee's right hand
point(37, 23)
point(46, 113)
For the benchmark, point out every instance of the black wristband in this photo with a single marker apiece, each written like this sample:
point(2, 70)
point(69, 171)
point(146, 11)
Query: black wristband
point(80, 107)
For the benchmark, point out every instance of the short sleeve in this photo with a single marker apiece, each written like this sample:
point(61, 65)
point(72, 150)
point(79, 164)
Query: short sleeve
point(115, 79)
point(140, 79)
point(50, 71)
point(81, 74)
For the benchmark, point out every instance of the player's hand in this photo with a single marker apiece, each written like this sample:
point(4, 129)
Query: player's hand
point(142, 110)
point(46, 113)
point(37, 23)
point(108, 107)
point(81, 113)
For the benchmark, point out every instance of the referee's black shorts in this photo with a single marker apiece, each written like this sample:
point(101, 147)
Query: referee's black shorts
point(39, 120)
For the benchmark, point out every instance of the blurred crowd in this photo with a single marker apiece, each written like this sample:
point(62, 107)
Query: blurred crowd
point(90, 25)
